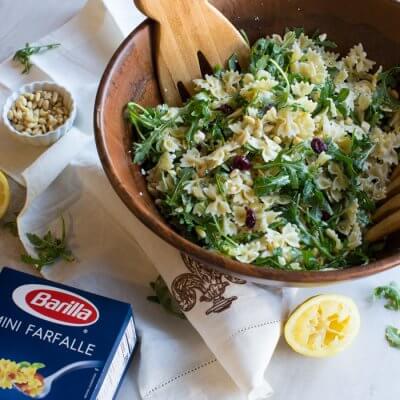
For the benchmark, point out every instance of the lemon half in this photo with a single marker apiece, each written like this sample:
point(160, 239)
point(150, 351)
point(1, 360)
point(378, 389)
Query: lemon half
point(323, 325)
point(4, 194)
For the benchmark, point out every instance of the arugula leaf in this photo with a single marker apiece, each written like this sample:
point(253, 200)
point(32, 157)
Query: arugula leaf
point(393, 336)
point(265, 185)
point(151, 127)
point(49, 249)
point(391, 293)
point(23, 55)
point(353, 165)
point(163, 297)
point(327, 44)
point(268, 54)
point(190, 133)
point(271, 261)
point(310, 261)
point(174, 199)
point(233, 63)
point(297, 31)
point(220, 180)
point(310, 238)
point(382, 96)
point(390, 80)
point(327, 95)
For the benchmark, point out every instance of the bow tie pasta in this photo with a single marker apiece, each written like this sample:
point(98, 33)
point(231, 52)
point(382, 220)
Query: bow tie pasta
point(23, 375)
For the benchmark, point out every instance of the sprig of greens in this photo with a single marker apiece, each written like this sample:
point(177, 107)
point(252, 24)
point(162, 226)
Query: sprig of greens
point(328, 96)
point(23, 55)
point(49, 249)
point(391, 293)
point(389, 81)
point(326, 43)
point(151, 126)
point(163, 297)
point(382, 97)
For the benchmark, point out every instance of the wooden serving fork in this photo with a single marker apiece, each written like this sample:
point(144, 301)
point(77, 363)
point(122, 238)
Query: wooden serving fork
point(187, 30)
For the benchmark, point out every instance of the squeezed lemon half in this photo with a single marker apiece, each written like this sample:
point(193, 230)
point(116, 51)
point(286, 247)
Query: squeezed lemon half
point(323, 325)
point(4, 194)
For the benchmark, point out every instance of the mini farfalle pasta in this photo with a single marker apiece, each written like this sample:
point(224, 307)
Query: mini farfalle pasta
point(312, 68)
point(23, 375)
point(279, 163)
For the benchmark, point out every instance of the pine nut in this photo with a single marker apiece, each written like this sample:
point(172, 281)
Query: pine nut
point(38, 112)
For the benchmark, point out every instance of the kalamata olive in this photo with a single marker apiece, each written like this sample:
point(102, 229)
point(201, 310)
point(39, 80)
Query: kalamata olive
point(318, 145)
point(241, 162)
point(325, 215)
point(226, 109)
point(250, 218)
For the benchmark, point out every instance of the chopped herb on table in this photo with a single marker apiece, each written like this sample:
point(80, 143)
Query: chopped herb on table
point(391, 293)
point(49, 249)
point(393, 336)
point(163, 297)
point(23, 56)
point(280, 164)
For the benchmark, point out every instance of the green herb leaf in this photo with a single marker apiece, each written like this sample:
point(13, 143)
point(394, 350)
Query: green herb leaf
point(24, 364)
point(391, 293)
point(23, 55)
point(233, 63)
point(382, 96)
point(163, 296)
point(390, 80)
point(393, 336)
point(38, 365)
point(49, 249)
point(151, 127)
point(327, 96)
point(327, 44)
point(266, 185)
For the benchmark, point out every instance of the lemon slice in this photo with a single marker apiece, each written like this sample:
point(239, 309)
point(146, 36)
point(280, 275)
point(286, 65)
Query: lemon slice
point(4, 194)
point(323, 325)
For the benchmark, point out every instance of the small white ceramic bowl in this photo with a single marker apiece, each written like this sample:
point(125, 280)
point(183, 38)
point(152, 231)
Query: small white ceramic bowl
point(48, 138)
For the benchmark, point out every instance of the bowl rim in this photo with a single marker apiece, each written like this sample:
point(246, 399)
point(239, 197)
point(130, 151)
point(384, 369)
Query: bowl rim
point(10, 100)
point(201, 254)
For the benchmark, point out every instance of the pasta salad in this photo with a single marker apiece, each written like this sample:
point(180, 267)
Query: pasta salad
point(279, 165)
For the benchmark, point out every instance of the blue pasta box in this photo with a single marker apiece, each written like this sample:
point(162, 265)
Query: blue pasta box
point(61, 343)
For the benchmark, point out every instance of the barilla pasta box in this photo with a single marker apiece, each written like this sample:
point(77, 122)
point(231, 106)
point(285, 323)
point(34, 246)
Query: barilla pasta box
point(60, 343)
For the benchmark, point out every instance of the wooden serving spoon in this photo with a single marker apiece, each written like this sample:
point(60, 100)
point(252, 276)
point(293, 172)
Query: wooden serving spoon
point(185, 30)
point(387, 216)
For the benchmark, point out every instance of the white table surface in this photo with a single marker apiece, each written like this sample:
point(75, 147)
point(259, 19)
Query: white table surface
point(376, 375)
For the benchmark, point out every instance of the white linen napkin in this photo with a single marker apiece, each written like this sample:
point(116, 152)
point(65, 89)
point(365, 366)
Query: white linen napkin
point(237, 330)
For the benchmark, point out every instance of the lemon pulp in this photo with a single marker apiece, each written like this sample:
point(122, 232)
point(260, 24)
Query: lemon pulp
point(323, 325)
point(4, 194)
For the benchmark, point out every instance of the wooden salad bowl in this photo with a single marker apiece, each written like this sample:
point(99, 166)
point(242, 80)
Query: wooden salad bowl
point(131, 75)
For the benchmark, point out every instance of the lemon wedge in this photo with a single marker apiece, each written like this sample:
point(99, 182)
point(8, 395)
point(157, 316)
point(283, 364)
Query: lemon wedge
point(323, 325)
point(4, 194)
